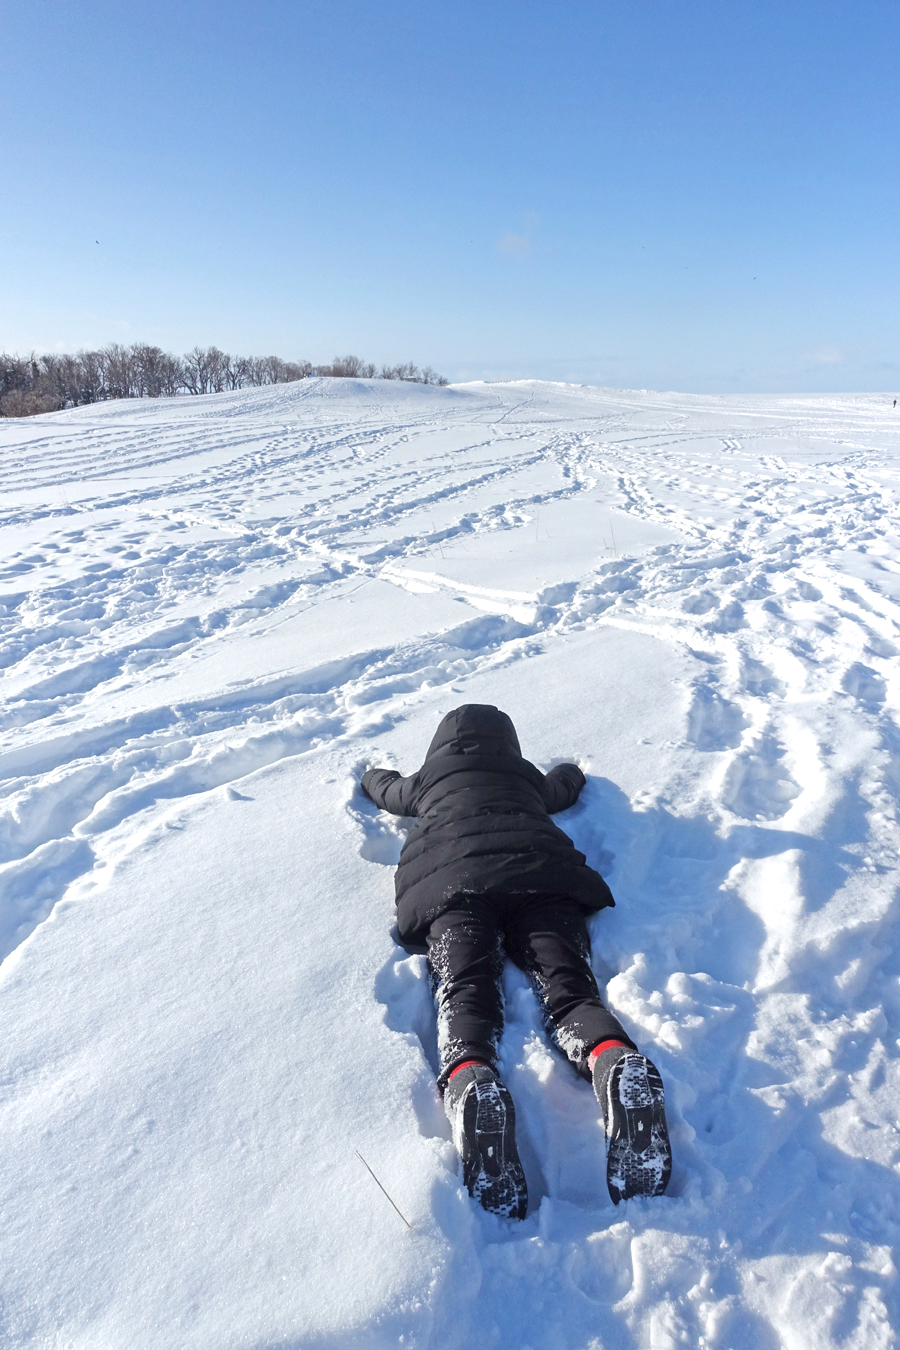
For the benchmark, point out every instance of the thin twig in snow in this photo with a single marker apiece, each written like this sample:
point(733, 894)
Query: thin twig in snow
point(378, 1183)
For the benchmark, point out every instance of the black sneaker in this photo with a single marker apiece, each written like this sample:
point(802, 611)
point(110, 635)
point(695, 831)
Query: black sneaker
point(483, 1119)
point(638, 1153)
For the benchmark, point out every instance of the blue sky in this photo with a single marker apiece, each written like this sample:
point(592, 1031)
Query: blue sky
point(672, 194)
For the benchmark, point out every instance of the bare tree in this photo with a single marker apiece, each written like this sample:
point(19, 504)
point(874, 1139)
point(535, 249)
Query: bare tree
point(148, 365)
point(295, 370)
point(218, 363)
point(93, 381)
point(172, 375)
point(237, 372)
point(119, 371)
point(350, 367)
point(197, 373)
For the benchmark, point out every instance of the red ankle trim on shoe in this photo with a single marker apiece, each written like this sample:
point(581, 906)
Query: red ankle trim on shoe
point(604, 1045)
point(466, 1064)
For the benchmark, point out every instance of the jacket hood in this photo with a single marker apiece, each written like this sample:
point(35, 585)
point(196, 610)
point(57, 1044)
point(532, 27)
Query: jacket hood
point(475, 729)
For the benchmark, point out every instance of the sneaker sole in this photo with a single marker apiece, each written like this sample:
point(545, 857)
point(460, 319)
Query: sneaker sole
point(638, 1155)
point(492, 1172)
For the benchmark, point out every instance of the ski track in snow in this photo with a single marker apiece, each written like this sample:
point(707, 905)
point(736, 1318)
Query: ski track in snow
point(161, 562)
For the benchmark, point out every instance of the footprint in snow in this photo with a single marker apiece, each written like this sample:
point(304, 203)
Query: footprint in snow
point(864, 684)
point(714, 723)
point(757, 785)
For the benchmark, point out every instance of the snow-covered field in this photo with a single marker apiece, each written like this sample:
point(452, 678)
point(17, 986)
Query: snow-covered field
point(216, 612)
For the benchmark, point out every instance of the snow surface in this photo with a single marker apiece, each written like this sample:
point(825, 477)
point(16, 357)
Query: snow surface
point(217, 611)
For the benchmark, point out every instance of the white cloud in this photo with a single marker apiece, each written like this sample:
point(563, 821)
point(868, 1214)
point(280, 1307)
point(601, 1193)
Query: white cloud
point(827, 356)
point(519, 245)
point(515, 245)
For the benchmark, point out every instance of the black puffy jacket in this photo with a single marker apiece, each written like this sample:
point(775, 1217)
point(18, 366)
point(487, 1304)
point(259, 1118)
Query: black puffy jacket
point(483, 822)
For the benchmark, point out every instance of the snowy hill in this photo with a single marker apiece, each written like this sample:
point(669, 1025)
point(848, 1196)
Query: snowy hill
point(217, 612)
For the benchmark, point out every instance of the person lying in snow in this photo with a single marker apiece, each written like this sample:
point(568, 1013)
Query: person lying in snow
point(483, 872)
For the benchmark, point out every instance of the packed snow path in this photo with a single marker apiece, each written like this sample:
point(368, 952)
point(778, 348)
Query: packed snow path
point(216, 612)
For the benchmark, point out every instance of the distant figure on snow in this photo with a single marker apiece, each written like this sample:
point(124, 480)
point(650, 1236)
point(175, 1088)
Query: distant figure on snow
point(485, 874)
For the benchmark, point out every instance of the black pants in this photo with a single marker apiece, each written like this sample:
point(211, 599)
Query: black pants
point(544, 935)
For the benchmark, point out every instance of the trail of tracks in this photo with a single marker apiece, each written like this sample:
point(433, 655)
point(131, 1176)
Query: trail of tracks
point(134, 581)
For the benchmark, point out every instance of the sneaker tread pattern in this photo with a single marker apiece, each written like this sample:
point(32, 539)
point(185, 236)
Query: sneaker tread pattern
point(639, 1156)
point(492, 1171)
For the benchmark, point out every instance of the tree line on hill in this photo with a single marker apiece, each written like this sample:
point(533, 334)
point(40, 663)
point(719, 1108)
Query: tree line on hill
point(39, 384)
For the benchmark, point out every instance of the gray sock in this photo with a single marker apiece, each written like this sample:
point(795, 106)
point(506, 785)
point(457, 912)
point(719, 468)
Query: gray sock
point(602, 1067)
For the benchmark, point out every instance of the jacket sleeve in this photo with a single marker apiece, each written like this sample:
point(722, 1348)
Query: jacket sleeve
point(562, 786)
point(390, 791)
